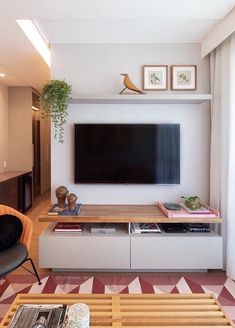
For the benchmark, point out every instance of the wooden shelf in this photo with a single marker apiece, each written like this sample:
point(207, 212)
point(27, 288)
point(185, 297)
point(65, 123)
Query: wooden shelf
point(166, 98)
point(123, 214)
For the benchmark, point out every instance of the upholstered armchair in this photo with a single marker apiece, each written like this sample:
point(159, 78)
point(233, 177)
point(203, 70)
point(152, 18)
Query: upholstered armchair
point(15, 256)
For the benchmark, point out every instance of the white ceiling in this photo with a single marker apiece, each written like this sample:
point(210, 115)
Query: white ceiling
point(103, 21)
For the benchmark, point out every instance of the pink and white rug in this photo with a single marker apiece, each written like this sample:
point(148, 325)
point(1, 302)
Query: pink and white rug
point(222, 287)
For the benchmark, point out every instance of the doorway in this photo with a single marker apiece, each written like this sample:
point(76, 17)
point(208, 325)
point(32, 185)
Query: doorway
point(36, 155)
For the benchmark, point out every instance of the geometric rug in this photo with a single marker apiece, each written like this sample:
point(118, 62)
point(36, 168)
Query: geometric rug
point(219, 285)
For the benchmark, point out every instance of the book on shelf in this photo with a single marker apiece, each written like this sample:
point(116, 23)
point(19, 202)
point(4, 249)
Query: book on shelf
point(145, 228)
point(182, 213)
point(174, 227)
point(52, 315)
point(201, 210)
point(68, 227)
point(55, 210)
point(103, 228)
point(198, 227)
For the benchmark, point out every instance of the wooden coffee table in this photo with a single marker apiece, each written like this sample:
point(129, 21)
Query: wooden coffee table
point(145, 310)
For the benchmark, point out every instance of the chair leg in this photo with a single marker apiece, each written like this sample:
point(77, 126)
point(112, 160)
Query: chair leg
point(34, 269)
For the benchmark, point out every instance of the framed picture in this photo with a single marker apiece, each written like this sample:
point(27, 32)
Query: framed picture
point(155, 77)
point(183, 77)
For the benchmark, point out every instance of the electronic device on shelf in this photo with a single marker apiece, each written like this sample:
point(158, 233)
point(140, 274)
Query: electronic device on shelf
point(174, 227)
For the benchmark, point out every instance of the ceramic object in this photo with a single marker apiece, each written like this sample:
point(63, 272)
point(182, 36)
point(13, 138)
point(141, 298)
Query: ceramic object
point(71, 199)
point(61, 194)
point(172, 206)
point(78, 316)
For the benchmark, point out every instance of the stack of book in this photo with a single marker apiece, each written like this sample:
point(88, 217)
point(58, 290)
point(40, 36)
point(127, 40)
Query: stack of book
point(174, 227)
point(198, 227)
point(55, 210)
point(103, 228)
point(145, 228)
point(68, 227)
point(201, 210)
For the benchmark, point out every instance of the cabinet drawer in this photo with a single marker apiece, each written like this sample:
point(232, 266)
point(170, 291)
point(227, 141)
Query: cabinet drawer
point(84, 252)
point(174, 252)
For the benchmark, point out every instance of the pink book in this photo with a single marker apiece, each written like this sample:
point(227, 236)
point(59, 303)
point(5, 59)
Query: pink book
point(184, 214)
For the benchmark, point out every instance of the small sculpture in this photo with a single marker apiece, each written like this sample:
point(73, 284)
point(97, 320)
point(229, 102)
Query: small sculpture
point(71, 198)
point(61, 194)
point(130, 85)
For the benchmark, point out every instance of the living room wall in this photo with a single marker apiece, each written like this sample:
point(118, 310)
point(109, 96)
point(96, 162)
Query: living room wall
point(95, 69)
point(3, 126)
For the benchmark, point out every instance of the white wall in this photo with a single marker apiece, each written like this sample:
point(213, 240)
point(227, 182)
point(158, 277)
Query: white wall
point(95, 69)
point(3, 126)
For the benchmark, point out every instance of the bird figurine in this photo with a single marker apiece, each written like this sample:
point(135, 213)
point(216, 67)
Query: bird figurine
point(130, 85)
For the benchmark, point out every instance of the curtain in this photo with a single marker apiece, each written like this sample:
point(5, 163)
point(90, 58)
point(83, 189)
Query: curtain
point(222, 170)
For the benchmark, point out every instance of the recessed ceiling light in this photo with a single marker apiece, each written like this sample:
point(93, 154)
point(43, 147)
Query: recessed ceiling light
point(2, 75)
point(35, 108)
point(31, 31)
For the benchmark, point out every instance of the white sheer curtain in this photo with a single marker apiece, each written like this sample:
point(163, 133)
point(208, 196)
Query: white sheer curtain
point(222, 176)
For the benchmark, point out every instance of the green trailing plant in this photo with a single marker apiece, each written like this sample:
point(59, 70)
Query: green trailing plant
point(54, 104)
point(192, 202)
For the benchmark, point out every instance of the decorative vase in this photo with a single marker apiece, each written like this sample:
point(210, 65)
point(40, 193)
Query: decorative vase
point(78, 316)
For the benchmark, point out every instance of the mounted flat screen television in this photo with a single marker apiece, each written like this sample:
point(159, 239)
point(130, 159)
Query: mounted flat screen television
point(127, 153)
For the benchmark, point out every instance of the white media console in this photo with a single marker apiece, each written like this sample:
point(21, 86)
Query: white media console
point(123, 250)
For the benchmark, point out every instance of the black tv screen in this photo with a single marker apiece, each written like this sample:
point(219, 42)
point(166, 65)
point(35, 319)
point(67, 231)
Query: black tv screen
point(127, 153)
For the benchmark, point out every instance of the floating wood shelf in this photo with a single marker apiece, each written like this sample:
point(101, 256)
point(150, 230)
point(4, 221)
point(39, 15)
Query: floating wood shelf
point(167, 98)
point(123, 214)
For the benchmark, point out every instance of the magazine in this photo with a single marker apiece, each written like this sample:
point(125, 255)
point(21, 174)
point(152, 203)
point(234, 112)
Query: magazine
point(145, 228)
point(55, 210)
point(28, 314)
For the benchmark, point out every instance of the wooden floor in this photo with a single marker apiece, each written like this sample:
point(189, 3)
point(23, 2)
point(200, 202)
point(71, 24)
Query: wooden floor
point(39, 205)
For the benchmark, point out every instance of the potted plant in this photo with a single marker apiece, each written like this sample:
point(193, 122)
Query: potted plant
point(54, 104)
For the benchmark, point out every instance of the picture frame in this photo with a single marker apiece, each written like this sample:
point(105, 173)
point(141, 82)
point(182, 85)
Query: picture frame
point(155, 77)
point(184, 77)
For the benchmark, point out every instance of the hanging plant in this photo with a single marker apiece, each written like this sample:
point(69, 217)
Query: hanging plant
point(54, 104)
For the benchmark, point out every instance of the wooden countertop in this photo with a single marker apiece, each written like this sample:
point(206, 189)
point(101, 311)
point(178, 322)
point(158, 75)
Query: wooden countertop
point(11, 174)
point(123, 214)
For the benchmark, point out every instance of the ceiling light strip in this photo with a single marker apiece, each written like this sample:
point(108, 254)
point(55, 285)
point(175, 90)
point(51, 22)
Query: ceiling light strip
point(36, 39)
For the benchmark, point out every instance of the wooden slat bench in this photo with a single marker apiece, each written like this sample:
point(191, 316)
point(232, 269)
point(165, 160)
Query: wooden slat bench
point(132, 311)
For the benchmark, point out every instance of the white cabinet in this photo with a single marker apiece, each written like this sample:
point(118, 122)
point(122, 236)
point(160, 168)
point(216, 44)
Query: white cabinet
point(189, 251)
point(130, 252)
point(83, 251)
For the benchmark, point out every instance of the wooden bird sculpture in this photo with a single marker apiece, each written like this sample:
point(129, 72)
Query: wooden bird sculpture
point(130, 85)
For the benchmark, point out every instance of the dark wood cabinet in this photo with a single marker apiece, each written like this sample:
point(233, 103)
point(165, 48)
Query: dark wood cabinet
point(16, 190)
